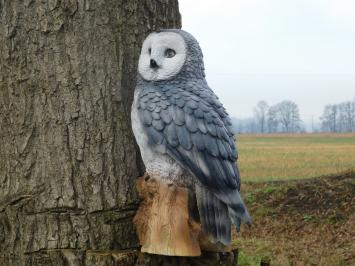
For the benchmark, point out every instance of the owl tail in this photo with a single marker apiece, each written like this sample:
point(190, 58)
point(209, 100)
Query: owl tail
point(214, 216)
point(237, 210)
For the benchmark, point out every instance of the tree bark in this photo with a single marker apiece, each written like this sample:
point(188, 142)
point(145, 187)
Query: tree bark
point(68, 159)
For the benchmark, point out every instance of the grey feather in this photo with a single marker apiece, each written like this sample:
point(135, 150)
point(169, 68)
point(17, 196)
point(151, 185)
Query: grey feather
point(201, 125)
point(156, 115)
point(204, 107)
point(184, 137)
point(192, 104)
point(157, 109)
point(151, 95)
point(198, 141)
point(188, 110)
point(198, 113)
point(180, 102)
point(158, 124)
point(155, 99)
point(163, 105)
point(155, 136)
point(165, 116)
point(190, 123)
point(147, 117)
point(177, 96)
point(171, 136)
point(151, 106)
point(218, 122)
point(214, 216)
point(177, 114)
point(210, 144)
point(222, 150)
point(208, 117)
point(221, 133)
point(211, 129)
point(235, 204)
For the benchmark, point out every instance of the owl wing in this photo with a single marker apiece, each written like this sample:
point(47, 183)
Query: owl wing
point(190, 125)
point(193, 129)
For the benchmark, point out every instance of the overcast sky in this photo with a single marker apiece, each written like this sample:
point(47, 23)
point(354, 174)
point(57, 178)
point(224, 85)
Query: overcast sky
point(272, 50)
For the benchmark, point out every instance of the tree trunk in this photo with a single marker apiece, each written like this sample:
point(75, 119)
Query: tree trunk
point(68, 160)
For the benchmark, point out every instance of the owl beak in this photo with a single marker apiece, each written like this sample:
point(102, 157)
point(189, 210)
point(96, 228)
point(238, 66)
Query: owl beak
point(153, 64)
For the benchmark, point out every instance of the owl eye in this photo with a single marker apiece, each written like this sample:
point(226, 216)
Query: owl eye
point(150, 50)
point(170, 53)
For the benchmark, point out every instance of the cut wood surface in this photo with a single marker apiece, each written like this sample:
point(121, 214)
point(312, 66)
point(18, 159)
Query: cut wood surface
point(164, 224)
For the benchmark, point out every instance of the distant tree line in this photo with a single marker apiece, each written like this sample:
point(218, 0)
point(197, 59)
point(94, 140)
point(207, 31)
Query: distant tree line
point(339, 117)
point(281, 117)
point(284, 117)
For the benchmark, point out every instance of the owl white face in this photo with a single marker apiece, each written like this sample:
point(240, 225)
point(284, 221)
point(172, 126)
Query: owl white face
point(162, 56)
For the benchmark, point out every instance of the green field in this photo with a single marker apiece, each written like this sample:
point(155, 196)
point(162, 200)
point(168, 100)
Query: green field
point(296, 156)
point(300, 192)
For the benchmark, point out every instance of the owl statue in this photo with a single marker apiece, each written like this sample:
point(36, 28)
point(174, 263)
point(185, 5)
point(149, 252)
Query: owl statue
point(184, 133)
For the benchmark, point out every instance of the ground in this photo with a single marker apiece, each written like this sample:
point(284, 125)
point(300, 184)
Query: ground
point(298, 220)
point(294, 156)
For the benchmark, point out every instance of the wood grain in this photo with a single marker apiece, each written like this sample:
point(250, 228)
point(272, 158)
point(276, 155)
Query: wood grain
point(163, 222)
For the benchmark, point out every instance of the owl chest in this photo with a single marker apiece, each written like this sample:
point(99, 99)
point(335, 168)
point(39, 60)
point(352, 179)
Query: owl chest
point(151, 157)
point(157, 163)
point(140, 133)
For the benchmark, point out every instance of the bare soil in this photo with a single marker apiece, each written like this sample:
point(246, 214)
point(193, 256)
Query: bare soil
point(305, 222)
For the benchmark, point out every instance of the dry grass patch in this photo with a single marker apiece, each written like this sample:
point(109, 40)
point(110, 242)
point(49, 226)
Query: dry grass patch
point(294, 156)
point(306, 222)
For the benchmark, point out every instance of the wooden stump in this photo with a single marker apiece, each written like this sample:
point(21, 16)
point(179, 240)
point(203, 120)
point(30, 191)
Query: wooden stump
point(162, 221)
point(164, 225)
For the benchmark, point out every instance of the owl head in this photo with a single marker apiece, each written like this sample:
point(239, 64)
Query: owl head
point(169, 53)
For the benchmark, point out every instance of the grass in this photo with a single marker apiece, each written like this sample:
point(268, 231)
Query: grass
point(300, 222)
point(294, 156)
point(300, 192)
